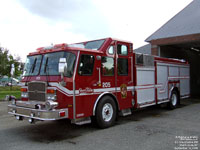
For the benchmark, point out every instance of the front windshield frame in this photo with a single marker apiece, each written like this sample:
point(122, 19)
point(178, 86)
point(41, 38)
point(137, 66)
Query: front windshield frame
point(32, 65)
point(50, 63)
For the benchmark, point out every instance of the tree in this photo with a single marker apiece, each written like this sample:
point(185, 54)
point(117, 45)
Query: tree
point(6, 60)
point(4, 67)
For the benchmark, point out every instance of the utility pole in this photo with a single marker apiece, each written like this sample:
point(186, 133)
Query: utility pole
point(11, 74)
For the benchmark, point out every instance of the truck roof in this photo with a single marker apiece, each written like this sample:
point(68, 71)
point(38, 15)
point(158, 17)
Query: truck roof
point(77, 46)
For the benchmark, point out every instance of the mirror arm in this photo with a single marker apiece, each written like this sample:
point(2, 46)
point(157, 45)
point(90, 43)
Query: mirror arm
point(63, 83)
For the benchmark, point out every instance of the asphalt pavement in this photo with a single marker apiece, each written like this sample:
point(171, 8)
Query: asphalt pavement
point(152, 128)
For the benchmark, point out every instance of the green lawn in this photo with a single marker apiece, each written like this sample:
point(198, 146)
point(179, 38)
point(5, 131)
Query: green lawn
point(15, 91)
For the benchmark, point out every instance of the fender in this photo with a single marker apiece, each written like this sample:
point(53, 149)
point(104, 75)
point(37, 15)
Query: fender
point(172, 88)
point(170, 91)
point(100, 96)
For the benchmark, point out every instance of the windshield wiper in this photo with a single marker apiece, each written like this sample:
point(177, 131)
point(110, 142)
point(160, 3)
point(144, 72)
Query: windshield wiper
point(46, 70)
point(31, 71)
point(34, 64)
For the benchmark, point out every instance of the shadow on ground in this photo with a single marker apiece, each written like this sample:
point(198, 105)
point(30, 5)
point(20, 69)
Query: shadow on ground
point(53, 131)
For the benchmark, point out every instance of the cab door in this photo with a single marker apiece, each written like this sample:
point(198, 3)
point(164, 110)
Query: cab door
point(124, 74)
point(86, 83)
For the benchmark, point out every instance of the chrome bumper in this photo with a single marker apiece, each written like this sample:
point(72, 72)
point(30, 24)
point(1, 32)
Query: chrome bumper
point(37, 114)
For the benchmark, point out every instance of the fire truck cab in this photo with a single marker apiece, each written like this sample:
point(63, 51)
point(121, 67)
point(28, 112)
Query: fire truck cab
point(96, 80)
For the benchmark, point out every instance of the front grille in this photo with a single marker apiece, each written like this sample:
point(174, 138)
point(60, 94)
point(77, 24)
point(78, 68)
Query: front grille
point(37, 91)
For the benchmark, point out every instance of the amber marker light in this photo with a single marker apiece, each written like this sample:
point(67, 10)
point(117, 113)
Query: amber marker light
point(24, 90)
point(51, 91)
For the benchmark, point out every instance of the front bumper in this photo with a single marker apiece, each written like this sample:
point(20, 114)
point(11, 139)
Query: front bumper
point(36, 114)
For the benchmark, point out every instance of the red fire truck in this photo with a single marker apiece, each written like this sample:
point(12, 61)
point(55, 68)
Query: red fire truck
point(97, 80)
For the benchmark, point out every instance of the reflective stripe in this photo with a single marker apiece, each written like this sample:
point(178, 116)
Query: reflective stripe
point(180, 77)
point(68, 92)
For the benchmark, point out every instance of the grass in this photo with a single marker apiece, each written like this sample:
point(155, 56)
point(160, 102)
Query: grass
point(15, 91)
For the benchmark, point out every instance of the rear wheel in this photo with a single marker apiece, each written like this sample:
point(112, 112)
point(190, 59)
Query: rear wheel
point(106, 112)
point(173, 100)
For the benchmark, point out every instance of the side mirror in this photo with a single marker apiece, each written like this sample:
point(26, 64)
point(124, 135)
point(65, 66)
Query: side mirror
point(62, 66)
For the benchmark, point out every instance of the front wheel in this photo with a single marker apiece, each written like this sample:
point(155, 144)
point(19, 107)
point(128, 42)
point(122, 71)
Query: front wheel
point(173, 100)
point(106, 112)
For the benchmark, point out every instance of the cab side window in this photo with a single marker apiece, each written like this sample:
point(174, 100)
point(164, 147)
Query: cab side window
point(111, 50)
point(122, 67)
point(86, 65)
point(107, 66)
point(122, 49)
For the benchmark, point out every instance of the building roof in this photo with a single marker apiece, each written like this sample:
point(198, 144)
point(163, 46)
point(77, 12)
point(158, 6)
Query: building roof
point(186, 22)
point(146, 49)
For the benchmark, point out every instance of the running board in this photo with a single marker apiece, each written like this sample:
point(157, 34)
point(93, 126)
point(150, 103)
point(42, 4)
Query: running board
point(125, 112)
point(81, 121)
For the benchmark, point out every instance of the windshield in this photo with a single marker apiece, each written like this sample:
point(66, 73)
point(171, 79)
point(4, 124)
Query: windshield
point(94, 45)
point(32, 65)
point(50, 63)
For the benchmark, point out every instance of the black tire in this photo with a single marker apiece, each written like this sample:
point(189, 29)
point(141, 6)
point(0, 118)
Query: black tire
point(106, 112)
point(174, 100)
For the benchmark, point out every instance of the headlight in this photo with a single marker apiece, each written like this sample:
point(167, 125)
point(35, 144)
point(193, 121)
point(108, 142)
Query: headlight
point(51, 94)
point(24, 94)
point(51, 97)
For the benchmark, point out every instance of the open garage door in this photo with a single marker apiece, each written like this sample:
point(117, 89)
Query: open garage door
point(191, 53)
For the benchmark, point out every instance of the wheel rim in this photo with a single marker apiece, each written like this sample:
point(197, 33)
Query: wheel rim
point(174, 99)
point(107, 112)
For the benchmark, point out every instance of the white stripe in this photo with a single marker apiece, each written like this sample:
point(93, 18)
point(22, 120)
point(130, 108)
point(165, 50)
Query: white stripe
point(145, 69)
point(184, 77)
point(103, 90)
point(98, 91)
point(70, 92)
point(185, 96)
point(144, 86)
point(95, 91)
point(145, 105)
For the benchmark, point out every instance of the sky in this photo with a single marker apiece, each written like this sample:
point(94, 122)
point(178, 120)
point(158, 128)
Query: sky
point(28, 24)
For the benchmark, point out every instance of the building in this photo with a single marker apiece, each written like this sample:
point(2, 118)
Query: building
point(146, 49)
point(182, 28)
point(180, 38)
